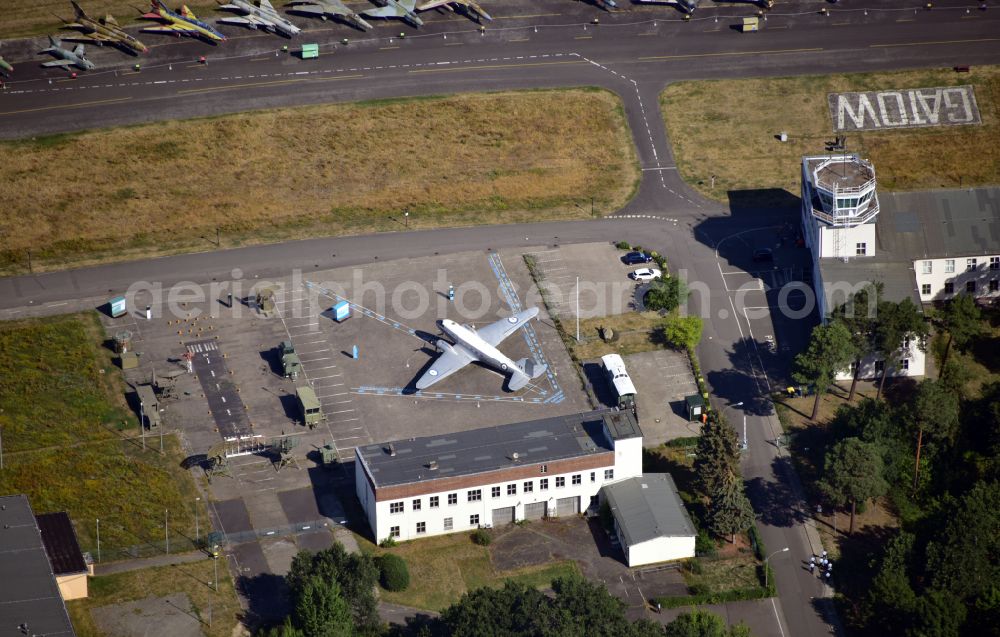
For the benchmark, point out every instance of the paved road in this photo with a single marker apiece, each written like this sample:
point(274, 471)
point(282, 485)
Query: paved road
point(628, 53)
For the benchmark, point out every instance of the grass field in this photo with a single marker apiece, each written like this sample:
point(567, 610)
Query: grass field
point(69, 440)
point(319, 170)
point(444, 567)
point(195, 579)
point(23, 18)
point(638, 332)
point(727, 128)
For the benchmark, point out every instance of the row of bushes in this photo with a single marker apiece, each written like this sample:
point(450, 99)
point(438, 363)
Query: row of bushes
point(698, 599)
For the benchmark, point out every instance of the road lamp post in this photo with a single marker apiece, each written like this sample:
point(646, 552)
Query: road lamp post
point(784, 550)
point(406, 216)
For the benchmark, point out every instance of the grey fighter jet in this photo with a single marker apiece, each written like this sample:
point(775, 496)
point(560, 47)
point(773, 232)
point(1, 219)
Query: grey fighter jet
point(263, 17)
point(480, 345)
point(469, 7)
point(66, 57)
point(405, 10)
point(325, 9)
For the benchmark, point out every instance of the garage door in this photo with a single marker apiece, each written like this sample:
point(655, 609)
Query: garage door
point(504, 515)
point(535, 510)
point(567, 506)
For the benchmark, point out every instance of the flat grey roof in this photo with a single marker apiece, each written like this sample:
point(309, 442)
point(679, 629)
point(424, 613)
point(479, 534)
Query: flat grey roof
point(932, 224)
point(648, 507)
point(493, 448)
point(29, 596)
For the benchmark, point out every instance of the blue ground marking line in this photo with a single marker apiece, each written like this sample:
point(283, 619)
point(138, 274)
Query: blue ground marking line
point(370, 390)
point(530, 337)
point(366, 312)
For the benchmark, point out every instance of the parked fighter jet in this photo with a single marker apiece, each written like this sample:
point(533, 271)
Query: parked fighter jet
point(402, 9)
point(264, 17)
point(328, 8)
point(103, 30)
point(480, 345)
point(468, 7)
point(607, 5)
point(6, 69)
point(67, 58)
point(183, 23)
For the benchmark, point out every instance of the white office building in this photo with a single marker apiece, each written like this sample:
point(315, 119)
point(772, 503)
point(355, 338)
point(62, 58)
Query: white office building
point(489, 477)
point(651, 523)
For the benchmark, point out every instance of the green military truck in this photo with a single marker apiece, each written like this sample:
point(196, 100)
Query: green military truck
point(309, 406)
point(290, 363)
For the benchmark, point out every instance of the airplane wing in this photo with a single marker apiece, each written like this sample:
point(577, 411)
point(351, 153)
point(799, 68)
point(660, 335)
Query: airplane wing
point(388, 11)
point(495, 333)
point(188, 13)
point(171, 28)
point(409, 5)
point(433, 4)
point(89, 37)
point(266, 5)
point(312, 9)
point(250, 21)
point(449, 362)
point(78, 50)
point(63, 63)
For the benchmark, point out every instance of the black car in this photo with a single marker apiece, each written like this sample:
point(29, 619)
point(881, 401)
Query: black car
point(634, 258)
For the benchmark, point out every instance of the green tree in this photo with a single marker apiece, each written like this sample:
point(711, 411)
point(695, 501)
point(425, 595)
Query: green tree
point(963, 321)
point(890, 598)
point(717, 455)
point(984, 616)
point(831, 349)
point(355, 573)
point(682, 332)
point(666, 294)
point(703, 623)
point(935, 411)
point(853, 473)
point(515, 609)
point(937, 614)
point(285, 629)
point(858, 314)
point(587, 608)
point(896, 325)
point(729, 511)
point(964, 558)
point(319, 609)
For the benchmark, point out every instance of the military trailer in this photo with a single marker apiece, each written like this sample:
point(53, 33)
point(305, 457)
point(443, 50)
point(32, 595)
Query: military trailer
point(290, 363)
point(149, 407)
point(309, 406)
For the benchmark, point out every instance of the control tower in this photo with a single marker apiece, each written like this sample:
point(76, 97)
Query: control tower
point(839, 206)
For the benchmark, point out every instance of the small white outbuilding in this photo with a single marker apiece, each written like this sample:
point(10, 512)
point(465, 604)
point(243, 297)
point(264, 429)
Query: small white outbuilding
point(651, 522)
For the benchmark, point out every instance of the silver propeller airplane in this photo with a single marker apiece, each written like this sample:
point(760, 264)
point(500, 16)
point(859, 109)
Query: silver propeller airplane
point(480, 345)
point(264, 17)
point(328, 8)
point(67, 57)
point(405, 10)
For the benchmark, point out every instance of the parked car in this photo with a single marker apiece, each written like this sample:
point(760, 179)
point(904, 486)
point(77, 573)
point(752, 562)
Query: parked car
point(635, 258)
point(646, 274)
point(763, 255)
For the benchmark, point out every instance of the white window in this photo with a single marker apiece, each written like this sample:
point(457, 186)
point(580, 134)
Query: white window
point(421, 527)
point(593, 476)
point(474, 519)
point(970, 287)
point(861, 249)
point(925, 289)
point(434, 501)
point(905, 364)
point(576, 478)
point(495, 492)
point(452, 498)
point(511, 489)
point(994, 285)
point(928, 267)
point(545, 468)
point(995, 263)
point(560, 482)
point(949, 287)
point(474, 495)
point(609, 474)
point(949, 266)
point(395, 507)
point(543, 484)
point(529, 486)
point(448, 524)
point(970, 265)
point(416, 504)
point(393, 531)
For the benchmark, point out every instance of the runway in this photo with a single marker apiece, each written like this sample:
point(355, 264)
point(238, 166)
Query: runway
point(549, 43)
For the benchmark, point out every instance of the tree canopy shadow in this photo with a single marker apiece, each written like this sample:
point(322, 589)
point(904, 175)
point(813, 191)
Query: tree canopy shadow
point(775, 500)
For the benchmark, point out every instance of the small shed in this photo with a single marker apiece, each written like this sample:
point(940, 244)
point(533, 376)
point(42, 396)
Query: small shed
point(650, 520)
point(63, 550)
point(695, 406)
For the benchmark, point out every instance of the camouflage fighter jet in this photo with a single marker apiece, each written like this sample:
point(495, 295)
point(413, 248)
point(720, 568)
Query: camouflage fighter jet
point(402, 9)
point(67, 58)
point(102, 31)
point(6, 69)
point(469, 7)
point(324, 9)
point(264, 17)
point(183, 23)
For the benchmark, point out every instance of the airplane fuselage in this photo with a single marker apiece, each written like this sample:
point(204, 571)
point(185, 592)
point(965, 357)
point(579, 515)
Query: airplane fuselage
point(477, 349)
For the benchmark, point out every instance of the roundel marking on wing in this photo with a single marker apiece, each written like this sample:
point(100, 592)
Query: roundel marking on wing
point(503, 367)
point(433, 372)
point(512, 319)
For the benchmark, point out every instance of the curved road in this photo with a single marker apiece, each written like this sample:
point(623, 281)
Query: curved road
point(633, 53)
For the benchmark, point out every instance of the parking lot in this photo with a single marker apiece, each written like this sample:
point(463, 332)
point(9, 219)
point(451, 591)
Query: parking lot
point(605, 288)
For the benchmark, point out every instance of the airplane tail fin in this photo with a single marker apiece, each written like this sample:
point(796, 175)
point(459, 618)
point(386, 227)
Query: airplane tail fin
point(53, 43)
point(527, 370)
point(78, 9)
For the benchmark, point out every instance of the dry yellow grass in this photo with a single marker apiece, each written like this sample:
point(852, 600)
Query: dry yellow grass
point(33, 17)
point(727, 128)
point(322, 170)
point(637, 333)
